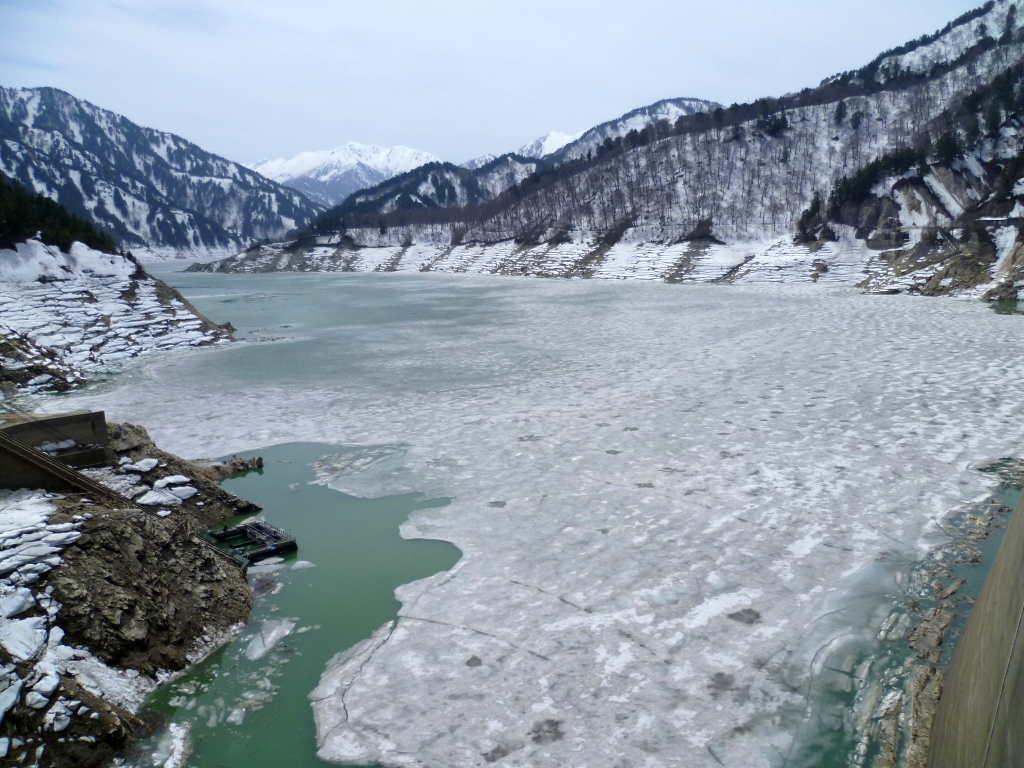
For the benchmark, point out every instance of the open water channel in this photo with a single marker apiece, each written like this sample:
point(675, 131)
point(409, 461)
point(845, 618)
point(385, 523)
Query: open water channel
point(244, 711)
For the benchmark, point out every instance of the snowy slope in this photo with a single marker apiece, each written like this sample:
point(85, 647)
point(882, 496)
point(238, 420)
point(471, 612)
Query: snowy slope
point(153, 191)
point(477, 162)
point(490, 176)
point(328, 177)
point(67, 315)
point(548, 144)
point(1001, 20)
point(744, 174)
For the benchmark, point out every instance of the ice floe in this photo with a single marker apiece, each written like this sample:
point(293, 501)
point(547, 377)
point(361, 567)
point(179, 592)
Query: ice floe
point(270, 634)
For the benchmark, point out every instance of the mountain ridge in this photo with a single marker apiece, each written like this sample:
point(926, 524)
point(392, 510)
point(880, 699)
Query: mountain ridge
point(548, 144)
point(484, 178)
point(636, 119)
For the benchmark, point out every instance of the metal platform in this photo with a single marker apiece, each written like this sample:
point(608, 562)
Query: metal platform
point(254, 540)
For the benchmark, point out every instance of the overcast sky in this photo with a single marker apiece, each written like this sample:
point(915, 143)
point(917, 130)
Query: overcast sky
point(250, 79)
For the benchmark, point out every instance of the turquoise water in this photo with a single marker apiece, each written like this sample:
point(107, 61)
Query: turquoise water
point(394, 352)
point(360, 559)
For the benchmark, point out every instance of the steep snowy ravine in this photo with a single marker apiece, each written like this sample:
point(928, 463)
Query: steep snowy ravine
point(669, 498)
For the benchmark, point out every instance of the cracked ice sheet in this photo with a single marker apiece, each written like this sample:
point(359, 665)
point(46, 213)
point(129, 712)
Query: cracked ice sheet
point(666, 456)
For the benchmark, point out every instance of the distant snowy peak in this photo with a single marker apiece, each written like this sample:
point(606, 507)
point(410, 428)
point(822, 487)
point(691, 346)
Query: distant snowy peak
point(328, 164)
point(332, 175)
point(549, 144)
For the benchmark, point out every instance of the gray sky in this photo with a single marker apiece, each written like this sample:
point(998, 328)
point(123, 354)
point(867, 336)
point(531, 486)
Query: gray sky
point(249, 79)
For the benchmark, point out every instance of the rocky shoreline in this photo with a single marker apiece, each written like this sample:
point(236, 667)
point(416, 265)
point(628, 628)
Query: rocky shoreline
point(69, 315)
point(101, 604)
point(895, 715)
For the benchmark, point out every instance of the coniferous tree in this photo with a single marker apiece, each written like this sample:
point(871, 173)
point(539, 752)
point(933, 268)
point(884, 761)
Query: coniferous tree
point(949, 147)
point(840, 114)
point(993, 121)
point(24, 215)
point(1011, 22)
point(972, 130)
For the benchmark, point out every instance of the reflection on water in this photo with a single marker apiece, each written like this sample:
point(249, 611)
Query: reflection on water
point(1008, 307)
point(247, 705)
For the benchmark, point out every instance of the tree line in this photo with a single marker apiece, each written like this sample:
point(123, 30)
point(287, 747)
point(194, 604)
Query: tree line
point(24, 214)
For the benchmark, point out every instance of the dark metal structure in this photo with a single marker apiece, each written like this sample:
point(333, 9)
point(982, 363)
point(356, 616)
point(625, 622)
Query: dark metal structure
point(255, 540)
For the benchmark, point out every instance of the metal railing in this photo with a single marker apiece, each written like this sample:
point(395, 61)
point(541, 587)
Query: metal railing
point(51, 466)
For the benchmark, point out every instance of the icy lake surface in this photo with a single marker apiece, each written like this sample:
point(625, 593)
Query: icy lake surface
point(675, 504)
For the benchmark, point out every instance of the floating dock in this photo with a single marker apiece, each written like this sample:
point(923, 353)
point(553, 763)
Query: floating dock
point(254, 540)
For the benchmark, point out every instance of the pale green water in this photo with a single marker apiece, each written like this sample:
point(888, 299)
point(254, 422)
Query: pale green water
point(360, 560)
point(1008, 307)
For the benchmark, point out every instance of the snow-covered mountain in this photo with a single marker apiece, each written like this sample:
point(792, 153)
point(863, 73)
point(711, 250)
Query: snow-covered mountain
point(478, 162)
point(890, 164)
point(549, 144)
point(482, 179)
point(432, 187)
point(536, 149)
point(155, 192)
point(328, 177)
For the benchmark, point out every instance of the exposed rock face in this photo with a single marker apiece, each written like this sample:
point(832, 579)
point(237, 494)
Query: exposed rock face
point(956, 229)
point(133, 442)
point(140, 592)
point(29, 366)
point(97, 601)
point(236, 465)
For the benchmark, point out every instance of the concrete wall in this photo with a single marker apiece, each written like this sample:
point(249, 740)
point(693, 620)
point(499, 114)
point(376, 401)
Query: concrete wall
point(87, 428)
point(980, 718)
point(18, 473)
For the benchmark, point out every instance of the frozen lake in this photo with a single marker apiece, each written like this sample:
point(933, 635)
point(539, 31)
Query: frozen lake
point(676, 505)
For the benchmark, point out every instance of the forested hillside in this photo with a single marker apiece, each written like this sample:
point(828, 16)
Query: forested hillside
point(149, 190)
point(431, 187)
point(24, 215)
point(906, 175)
point(747, 171)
